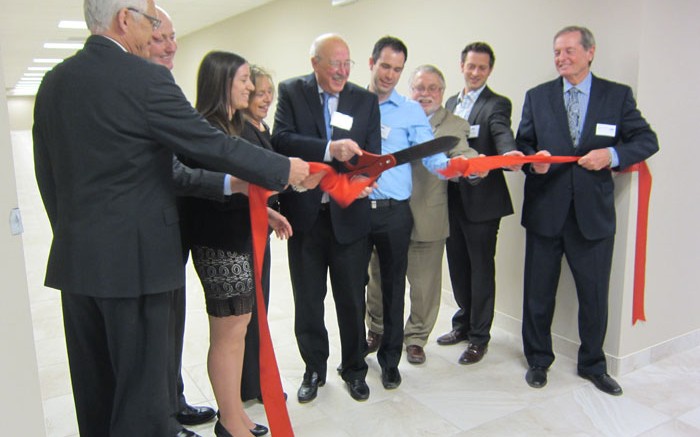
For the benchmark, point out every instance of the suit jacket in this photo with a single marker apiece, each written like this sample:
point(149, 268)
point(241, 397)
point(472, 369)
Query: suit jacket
point(544, 126)
point(300, 131)
point(489, 199)
point(429, 196)
point(106, 126)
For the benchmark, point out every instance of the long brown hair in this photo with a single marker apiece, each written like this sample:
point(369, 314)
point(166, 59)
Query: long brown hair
point(214, 81)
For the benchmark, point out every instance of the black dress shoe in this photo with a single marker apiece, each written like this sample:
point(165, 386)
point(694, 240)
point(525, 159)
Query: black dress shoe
point(220, 431)
point(536, 377)
point(259, 430)
point(391, 378)
point(187, 433)
point(309, 387)
point(473, 354)
point(359, 390)
point(452, 337)
point(191, 415)
point(604, 383)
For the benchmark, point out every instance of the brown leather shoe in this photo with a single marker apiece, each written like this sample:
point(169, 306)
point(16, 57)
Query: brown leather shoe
point(473, 354)
point(452, 337)
point(415, 354)
point(373, 341)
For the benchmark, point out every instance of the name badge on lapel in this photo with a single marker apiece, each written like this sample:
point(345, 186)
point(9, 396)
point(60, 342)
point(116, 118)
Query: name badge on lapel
point(474, 131)
point(605, 130)
point(341, 121)
point(386, 130)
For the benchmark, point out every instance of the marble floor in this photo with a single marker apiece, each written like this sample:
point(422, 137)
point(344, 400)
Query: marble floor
point(440, 397)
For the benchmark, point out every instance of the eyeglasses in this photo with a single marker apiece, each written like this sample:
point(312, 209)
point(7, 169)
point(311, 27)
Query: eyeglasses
point(155, 22)
point(345, 64)
point(431, 89)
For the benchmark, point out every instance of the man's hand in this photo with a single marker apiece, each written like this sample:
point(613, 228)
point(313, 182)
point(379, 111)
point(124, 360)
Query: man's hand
point(595, 160)
point(515, 167)
point(238, 185)
point(313, 180)
point(368, 190)
point(481, 174)
point(540, 167)
point(298, 171)
point(343, 150)
point(279, 223)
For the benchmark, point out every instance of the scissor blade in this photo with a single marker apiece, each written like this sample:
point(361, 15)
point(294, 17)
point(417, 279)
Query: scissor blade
point(428, 148)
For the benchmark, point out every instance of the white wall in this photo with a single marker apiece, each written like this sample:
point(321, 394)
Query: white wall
point(643, 43)
point(19, 377)
point(21, 109)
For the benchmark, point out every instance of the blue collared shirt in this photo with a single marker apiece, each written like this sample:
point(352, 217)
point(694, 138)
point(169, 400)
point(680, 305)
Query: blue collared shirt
point(465, 102)
point(584, 97)
point(404, 124)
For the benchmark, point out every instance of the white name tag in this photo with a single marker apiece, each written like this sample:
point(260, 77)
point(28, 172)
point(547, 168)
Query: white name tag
point(386, 130)
point(605, 130)
point(341, 121)
point(474, 131)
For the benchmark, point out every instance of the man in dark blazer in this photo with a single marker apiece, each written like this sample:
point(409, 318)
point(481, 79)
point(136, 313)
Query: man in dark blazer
point(476, 209)
point(327, 238)
point(106, 125)
point(569, 209)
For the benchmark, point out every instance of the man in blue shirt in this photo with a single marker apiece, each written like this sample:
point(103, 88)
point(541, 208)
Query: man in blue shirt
point(404, 124)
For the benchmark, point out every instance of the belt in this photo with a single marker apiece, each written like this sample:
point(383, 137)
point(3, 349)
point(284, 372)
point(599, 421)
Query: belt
point(385, 203)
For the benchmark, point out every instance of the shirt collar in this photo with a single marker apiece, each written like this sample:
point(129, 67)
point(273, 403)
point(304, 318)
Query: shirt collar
point(474, 94)
point(584, 86)
point(115, 42)
point(321, 91)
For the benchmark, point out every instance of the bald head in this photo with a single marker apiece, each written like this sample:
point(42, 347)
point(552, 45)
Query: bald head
point(164, 44)
point(330, 59)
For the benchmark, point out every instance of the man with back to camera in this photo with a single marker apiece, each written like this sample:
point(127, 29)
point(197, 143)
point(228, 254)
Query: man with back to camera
point(106, 125)
point(569, 209)
point(322, 117)
point(476, 210)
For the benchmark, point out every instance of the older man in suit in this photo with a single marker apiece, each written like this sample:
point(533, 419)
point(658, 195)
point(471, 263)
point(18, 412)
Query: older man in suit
point(569, 209)
point(476, 210)
point(106, 125)
point(322, 117)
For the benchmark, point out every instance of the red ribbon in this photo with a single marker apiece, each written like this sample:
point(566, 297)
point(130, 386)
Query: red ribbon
point(460, 166)
point(344, 190)
point(640, 250)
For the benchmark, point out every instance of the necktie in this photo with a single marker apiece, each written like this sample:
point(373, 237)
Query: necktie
point(327, 115)
point(572, 112)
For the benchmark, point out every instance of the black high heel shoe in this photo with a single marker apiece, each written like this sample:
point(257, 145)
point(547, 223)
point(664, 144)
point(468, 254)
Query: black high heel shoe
point(259, 430)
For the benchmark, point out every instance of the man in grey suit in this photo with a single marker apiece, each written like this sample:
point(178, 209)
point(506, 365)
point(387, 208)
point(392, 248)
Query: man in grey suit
point(476, 210)
point(569, 209)
point(428, 205)
point(106, 125)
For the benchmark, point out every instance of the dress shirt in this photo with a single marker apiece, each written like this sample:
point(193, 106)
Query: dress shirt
point(465, 102)
point(332, 107)
point(407, 125)
point(583, 98)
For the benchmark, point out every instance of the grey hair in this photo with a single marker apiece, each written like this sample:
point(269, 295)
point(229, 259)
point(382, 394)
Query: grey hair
point(318, 42)
point(100, 13)
point(587, 38)
point(428, 68)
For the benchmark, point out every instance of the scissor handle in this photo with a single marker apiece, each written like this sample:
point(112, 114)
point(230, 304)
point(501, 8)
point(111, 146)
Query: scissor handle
point(371, 165)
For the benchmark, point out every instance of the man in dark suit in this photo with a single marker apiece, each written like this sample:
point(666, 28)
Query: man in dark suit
point(569, 209)
point(476, 209)
point(322, 117)
point(188, 182)
point(106, 125)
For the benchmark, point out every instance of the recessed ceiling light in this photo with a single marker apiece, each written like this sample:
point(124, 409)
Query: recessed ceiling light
point(63, 45)
point(68, 24)
point(38, 68)
point(47, 60)
point(33, 75)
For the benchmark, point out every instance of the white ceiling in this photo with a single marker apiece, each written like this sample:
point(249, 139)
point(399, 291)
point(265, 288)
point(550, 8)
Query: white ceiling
point(25, 25)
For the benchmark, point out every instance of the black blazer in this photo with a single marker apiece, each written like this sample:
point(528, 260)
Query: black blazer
point(106, 126)
point(489, 199)
point(299, 130)
point(544, 126)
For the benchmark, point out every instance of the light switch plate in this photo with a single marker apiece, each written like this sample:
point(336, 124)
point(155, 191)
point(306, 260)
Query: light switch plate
point(16, 227)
